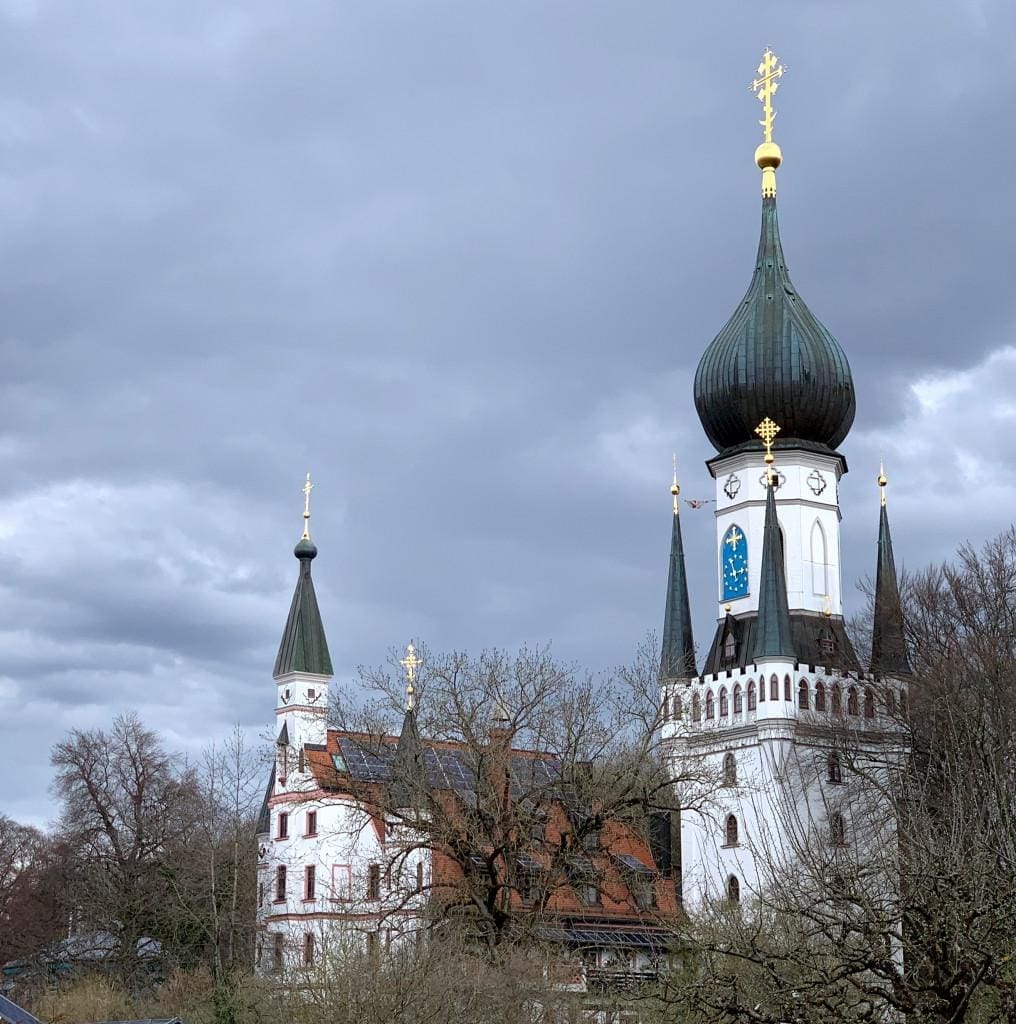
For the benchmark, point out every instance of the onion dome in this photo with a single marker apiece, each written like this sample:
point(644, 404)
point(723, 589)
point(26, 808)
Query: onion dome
point(774, 357)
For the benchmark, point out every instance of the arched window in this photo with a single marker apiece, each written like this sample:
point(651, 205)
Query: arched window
point(733, 889)
point(837, 829)
point(729, 649)
point(751, 695)
point(738, 699)
point(820, 696)
point(729, 770)
point(834, 773)
point(676, 709)
point(710, 708)
point(731, 830)
point(724, 703)
point(819, 569)
point(774, 688)
point(852, 705)
point(762, 689)
point(787, 695)
point(869, 704)
point(802, 694)
point(664, 709)
point(696, 708)
point(837, 700)
point(890, 700)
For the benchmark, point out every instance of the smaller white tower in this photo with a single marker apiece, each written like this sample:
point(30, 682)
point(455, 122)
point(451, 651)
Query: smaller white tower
point(303, 668)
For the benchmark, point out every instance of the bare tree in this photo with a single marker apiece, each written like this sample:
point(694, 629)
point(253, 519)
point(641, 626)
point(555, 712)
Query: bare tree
point(127, 804)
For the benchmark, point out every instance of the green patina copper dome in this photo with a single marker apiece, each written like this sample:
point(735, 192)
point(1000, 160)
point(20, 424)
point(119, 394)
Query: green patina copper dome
point(774, 358)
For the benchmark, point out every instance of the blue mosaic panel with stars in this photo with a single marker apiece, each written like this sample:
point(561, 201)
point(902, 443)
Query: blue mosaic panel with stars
point(734, 564)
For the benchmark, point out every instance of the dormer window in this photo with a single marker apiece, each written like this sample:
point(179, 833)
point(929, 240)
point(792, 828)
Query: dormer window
point(729, 649)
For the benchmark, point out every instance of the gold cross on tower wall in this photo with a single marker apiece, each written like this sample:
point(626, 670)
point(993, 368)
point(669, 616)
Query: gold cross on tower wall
point(767, 430)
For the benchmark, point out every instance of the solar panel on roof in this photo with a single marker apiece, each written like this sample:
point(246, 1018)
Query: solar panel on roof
point(14, 1014)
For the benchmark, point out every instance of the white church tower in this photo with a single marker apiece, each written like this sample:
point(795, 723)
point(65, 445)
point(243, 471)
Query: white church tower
point(775, 396)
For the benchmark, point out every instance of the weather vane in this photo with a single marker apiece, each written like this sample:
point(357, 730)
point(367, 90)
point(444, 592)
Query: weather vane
point(411, 662)
point(307, 488)
point(768, 430)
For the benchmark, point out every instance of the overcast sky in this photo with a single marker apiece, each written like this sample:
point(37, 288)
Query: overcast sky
point(459, 259)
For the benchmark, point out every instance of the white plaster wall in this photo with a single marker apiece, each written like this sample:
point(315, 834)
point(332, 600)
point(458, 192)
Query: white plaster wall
point(798, 508)
point(302, 703)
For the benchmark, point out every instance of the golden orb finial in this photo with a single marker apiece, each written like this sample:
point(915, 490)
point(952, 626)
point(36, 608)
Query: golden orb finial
point(768, 155)
point(675, 488)
point(882, 481)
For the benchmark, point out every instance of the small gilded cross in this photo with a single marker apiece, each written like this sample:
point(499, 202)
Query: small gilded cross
point(767, 430)
point(765, 87)
point(882, 481)
point(307, 488)
point(411, 662)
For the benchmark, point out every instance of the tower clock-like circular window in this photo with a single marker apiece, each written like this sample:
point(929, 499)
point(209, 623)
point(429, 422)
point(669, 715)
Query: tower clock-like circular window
point(734, 563)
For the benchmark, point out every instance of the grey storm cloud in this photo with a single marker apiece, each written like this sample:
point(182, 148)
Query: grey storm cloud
point(459, 259)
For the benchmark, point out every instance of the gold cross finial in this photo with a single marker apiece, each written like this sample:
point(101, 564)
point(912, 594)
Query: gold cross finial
point(768, 430)
point(882, 481)
point(411, 662)
point(675, 490)
point(768, 156)
point(765, 86)
point(307, 488)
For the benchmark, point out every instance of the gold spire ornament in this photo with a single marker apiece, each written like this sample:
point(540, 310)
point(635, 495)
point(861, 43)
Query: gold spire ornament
point(307, 488)
point(768, 156)
point(767, 430)
point(882, 481)
point(411, 662)
point(675, 490)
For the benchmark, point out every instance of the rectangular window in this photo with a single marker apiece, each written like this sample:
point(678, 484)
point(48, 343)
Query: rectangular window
point(277, 952)
point(374, 882)
point(283, 825)
point(280, 883)
point(308, 950)
point(309, 882)
point(342, 882)
point(311, 823)
point(419, 876)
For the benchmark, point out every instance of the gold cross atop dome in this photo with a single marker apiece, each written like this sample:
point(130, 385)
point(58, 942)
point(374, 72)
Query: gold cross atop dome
point(307, 488)
point(768, 155)
point(882, 481)
point(411, 662)
point(675, 489)
point(767, 430)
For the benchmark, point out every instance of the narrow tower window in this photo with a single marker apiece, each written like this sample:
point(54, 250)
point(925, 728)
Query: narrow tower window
point(677, 709)
point(834, 773)
point(820, 696)
point(787, 695)
point(852, 706)
point(869, 704)
point(729, 770)
point(280, 883)
point(733, 889)
point(710, 707)
point(751, 695)
point(837, 700)
point(731, 830)
point(724, 703)
point(696, 708)
point(738, 699)
point(837, 829)
point(802, 694)
point(774, 688)
point(819, 568)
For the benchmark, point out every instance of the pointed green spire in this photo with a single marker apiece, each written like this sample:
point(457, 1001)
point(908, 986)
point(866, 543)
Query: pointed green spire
point(677, 659)
point(408, 786)
point(772, 637)
point(304, 647)
point(888, 646)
